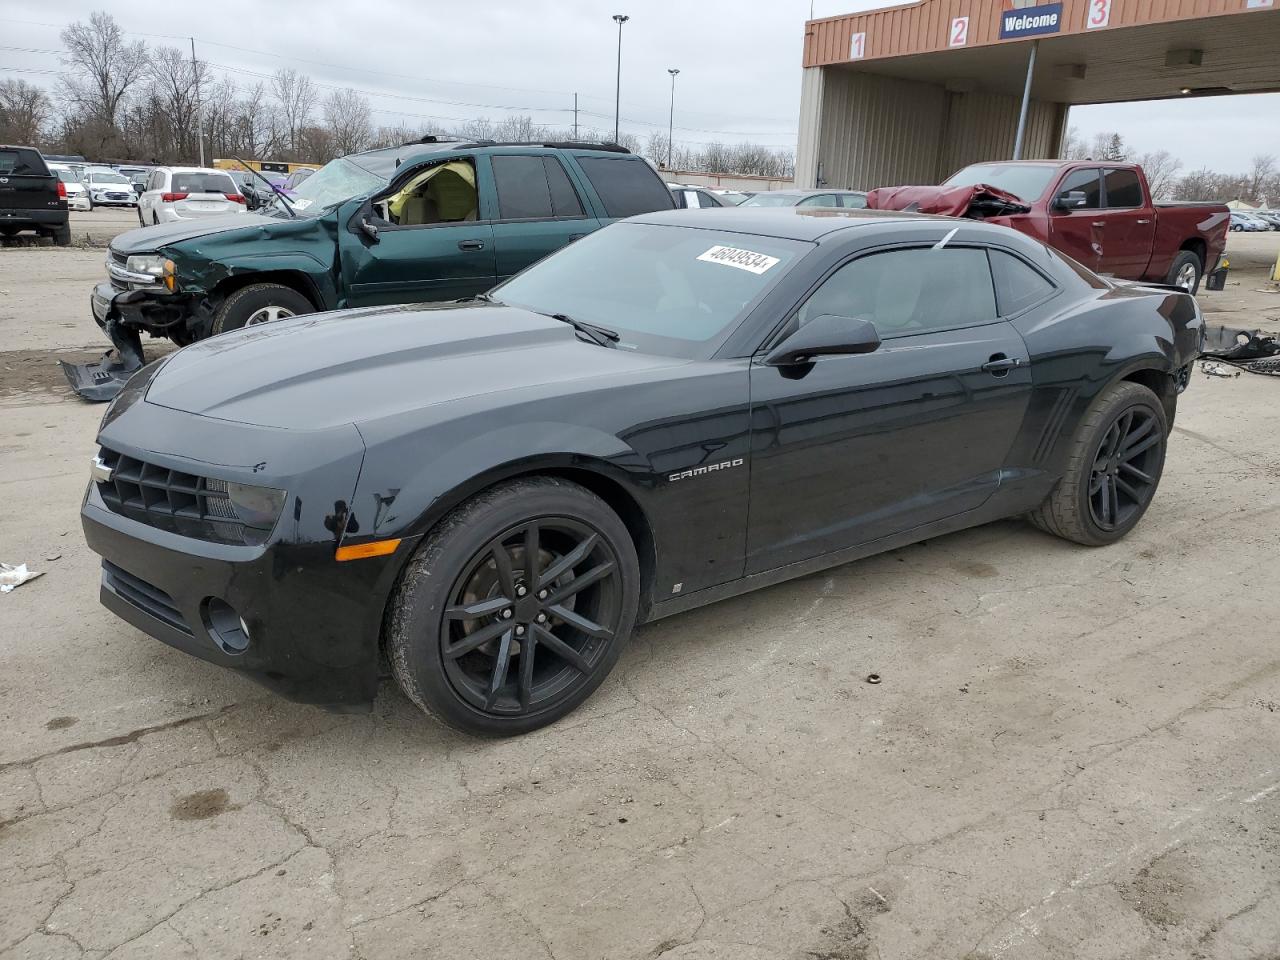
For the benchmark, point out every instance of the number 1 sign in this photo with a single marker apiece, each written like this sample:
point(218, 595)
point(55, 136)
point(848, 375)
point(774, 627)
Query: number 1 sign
point(1099, 14)
point(858, 46)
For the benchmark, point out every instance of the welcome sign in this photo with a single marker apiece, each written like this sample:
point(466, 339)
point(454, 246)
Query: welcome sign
point(1022, 21)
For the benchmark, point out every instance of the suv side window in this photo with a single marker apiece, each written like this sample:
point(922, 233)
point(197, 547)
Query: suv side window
point(533, 188)
point(1018, 286)
point(1086, 180)
point(853, 201)
point(911, 291)
point(821, 200)
point(626, 185)
point(1123, 188)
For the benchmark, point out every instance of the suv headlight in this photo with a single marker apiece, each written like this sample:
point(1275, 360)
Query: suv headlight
point(151, 263)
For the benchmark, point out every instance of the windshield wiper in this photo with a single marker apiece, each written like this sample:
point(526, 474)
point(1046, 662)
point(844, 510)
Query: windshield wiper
point(274, 194)
point(602, 336)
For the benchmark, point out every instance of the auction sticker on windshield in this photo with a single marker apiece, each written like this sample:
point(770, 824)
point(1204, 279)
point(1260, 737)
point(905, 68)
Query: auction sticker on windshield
point(747, 260)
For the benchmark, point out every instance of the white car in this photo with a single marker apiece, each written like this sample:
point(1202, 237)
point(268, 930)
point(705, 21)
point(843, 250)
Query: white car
point(186, 193)
point(77, 192)
point(109, 188)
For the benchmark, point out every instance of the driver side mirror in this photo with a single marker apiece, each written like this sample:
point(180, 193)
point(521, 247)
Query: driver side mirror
point(827, 335)
point(1069, 200)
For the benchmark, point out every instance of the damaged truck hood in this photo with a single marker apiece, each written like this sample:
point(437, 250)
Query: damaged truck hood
point(150, 239)
point(354, 366)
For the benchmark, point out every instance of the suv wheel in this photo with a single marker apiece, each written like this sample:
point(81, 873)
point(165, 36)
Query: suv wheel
point(1113, 469)
point(515, 608)
point(259, 303)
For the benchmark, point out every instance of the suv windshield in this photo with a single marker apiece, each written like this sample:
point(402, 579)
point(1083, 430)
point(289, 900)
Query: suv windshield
point(672, 291)
point(1025, 181)
point(336, 181)
point(103, 176)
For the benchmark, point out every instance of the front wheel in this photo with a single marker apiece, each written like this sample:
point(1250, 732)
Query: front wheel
point(259, 303)
point(515, 608)
point(1186, 272)
point(1113, 468)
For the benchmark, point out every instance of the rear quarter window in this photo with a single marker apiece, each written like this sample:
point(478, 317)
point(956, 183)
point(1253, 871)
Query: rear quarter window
point(1018, 286)
point(626, 185)
point(22, 163)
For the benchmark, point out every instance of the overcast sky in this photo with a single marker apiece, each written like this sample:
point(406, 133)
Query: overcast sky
point(739, 64)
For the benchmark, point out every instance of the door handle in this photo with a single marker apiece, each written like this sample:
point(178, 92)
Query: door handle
point(470, 244)
point(1143, 222)
point(999, 365)
point(1099, 223)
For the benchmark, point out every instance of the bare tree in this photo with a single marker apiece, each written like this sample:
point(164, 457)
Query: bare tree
point(1262, 170)
point(350, 121)
point(101, 66)
point(296, 95)
point(174, 95)
point(1161, 168)
point(24, 111)
point(1074, 146)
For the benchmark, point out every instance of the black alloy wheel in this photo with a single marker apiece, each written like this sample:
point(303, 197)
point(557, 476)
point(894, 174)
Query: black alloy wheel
point(514, 607)
point(1124, 474)
point(530, 616)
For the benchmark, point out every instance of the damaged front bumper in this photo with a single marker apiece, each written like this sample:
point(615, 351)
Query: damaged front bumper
point(123, 315)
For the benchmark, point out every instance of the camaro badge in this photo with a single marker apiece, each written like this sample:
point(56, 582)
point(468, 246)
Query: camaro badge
point(699, 471)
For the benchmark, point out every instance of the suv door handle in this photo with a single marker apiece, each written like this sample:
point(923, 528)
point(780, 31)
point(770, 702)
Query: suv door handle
point(999, 365)
point(470, 244)
point(1143, 222)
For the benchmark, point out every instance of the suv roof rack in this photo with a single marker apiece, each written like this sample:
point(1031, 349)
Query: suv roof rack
point(429, 138)
point(554, 144)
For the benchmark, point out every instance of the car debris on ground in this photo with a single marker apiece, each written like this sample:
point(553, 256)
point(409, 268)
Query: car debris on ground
point(1251, 351)
point(12, 577)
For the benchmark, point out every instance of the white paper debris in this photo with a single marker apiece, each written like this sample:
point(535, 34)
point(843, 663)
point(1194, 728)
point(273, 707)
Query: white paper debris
point(11, 576)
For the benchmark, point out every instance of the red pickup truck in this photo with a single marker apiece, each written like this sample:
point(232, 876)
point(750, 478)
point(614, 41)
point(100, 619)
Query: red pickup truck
point(1097, 212)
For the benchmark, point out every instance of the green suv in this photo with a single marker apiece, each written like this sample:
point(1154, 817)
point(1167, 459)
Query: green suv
point(432, 220)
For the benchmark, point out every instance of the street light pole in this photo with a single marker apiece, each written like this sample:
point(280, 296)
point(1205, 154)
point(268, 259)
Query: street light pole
point(617, 101)
point(671, 117)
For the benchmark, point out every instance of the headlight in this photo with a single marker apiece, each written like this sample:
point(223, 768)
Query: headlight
point(146, 263)
point(257, 508)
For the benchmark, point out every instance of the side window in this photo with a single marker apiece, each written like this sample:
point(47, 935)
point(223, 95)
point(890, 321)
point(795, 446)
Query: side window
point(692, 199)
point(1018, 286)
point(1123, 188)
point(564, 199)
point(853, 201)
point(822, 200)
point(442, 193)
point(1087, 182)
point(523, 192)
point(707, 199)
point(907, 292)
point(626, 185)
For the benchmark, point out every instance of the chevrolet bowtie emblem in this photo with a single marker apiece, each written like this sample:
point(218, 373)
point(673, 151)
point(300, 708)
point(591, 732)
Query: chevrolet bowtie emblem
point(100, 472)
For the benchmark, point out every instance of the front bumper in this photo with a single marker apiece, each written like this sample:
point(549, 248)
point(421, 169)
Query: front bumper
point(313, 623)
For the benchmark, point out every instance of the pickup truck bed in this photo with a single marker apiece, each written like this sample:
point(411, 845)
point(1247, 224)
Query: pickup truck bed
point(31, 196)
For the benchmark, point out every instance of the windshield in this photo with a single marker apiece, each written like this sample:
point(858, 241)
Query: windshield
point(336, 181)
point(1025, 181)
point(102, 176)
point(771, 200)
point(672, 291)
point(67, 176)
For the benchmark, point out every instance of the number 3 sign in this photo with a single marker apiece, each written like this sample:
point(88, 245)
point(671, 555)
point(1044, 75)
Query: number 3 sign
point(1099, 14)
point(959, 32)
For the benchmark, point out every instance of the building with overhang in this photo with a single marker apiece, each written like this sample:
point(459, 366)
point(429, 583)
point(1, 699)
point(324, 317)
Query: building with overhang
point(910, 94)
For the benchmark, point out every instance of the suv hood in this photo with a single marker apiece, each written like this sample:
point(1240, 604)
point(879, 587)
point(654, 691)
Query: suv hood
point(352, 366)
point(150, 239)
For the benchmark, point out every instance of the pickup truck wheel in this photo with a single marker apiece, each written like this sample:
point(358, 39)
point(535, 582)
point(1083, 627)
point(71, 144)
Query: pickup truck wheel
point(1113, 469)
point(1186, 271)
point(259, 303)
point(514, 608)
point(61, 235)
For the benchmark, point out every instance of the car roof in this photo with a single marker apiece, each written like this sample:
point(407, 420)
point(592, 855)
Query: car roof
point(788, 223)
point(807, 193)
point(193, 170)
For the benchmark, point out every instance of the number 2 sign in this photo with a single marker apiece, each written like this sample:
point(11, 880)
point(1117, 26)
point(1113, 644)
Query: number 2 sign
point(1099, 14)
point(959, 32)
point(858, 46)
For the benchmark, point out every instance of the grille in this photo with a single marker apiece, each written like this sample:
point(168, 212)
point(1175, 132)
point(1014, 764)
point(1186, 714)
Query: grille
point(181, 503)
point(144, 596)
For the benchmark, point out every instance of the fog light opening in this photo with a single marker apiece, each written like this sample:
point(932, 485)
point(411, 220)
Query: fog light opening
point(225, 626)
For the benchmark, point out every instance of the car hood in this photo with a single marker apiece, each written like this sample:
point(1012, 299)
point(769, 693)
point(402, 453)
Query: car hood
point(150, 239)
point(320, 370)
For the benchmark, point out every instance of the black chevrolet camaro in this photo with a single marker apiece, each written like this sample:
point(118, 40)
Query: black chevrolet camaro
point(676, 409)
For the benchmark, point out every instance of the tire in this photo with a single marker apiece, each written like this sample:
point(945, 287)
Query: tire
point(1186, 271)
point(141, 222)
point(259, 303)
point(1133, 417)
point(155, 219)
point(455, 569)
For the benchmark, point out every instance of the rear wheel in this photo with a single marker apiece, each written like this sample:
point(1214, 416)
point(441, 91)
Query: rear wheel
point(259, 303)
point(141, 221)
point(515, 608)
point(1113, 469)
point(61, 235)
point(1186, 271)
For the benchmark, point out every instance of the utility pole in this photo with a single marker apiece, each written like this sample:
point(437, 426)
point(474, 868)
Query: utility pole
point(617, 96)
point(575, 116)
point(671, 117)
point(195, 75)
